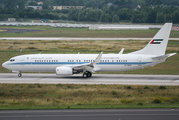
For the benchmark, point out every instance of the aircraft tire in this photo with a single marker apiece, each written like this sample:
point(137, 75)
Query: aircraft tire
point(19, 75)
point(85, 75)
point(89, 74)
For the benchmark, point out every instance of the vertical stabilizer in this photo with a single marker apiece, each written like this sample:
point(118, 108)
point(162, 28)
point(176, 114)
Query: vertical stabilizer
point(158, 44)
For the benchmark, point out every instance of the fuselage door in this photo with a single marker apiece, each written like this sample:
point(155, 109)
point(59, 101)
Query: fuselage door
point(22, 62)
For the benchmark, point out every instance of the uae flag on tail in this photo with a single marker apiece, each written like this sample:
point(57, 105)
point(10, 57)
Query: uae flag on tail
point(156, 41)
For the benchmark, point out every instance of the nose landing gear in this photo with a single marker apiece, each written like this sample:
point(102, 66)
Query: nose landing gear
point(87, 74)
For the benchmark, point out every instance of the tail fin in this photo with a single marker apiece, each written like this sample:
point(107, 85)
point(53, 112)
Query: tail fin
point(157, 46)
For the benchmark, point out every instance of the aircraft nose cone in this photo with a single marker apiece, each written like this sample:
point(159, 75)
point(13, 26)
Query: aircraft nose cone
point(4, 64)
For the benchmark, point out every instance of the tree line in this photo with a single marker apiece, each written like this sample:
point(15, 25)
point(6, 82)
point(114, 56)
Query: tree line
point(135, 11)
point(144, 14)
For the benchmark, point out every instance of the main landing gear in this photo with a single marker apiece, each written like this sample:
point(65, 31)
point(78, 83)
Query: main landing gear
point(87, 74)
point(19, 75)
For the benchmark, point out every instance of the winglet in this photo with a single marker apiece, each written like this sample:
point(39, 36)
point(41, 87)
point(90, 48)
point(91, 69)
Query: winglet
point(122, 50)
point(98, 58)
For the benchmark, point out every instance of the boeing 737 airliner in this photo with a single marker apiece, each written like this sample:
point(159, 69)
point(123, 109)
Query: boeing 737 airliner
point(68, 64)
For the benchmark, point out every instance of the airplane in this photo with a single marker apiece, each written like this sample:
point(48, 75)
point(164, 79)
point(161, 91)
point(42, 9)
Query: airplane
point(68, 64)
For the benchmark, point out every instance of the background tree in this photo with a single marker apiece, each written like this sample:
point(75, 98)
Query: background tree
point(1, 1)
point(175, 17)
point(73, 3)
point(46, 4)
point(122, 3)
point(21, 4)
point(158, 2)
point(80, 3)
point(125, 14)
point(91, 3)
point(160, 18)
point(103, 17)
point(129, 4)
point(10, 4)
point(81, 15)
point(73, 14)
point(63, 17)
point(138, 17)
point(151, 16)
point(93, 15)
point(115, 19)
point(33, 3)
point(174, 2)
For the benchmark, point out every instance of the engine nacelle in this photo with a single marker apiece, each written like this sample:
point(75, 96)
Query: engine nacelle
point(64, 71)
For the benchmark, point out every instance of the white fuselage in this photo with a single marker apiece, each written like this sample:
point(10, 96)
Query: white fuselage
point(108, 62)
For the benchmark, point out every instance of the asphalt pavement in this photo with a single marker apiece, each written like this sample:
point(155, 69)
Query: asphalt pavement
point(123, 79)
point(91, 114)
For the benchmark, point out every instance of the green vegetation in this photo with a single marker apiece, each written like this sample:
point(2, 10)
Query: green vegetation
point(70, 96)
point(47, 31)
point(11, 48)
point(111, 11)
point(80, 32)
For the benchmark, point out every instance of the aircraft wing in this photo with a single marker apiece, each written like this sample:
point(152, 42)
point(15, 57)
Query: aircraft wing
point(88, 66)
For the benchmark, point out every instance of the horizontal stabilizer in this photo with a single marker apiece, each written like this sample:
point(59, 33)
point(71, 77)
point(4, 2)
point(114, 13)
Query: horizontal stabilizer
point(163, 56)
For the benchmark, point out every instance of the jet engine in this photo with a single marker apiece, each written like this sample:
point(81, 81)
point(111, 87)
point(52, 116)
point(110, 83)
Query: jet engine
point(64, 71)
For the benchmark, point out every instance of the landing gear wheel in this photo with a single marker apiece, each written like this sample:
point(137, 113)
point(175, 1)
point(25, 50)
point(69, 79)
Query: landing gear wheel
point(89, 74)
point(19, 75)
point(85, 75)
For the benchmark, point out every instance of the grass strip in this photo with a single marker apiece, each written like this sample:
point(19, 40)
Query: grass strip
point(70, 96)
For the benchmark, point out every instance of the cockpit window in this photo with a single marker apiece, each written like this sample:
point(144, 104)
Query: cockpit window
point(12, 60)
